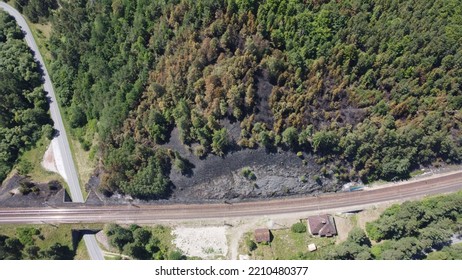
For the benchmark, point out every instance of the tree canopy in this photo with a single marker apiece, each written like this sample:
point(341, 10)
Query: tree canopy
point(23, 106)
point(375, 85)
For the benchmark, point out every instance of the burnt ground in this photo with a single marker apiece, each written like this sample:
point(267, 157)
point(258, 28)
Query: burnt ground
point(264, 113)
point(21, 191)
point(214, 178)
point(219, 179)
point(211, 179)
point(276, 174)
point(280, 173)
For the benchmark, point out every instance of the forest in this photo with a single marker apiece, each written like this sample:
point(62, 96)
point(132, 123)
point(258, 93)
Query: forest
point(372, 88)
point(412, 230)
point(24, 115)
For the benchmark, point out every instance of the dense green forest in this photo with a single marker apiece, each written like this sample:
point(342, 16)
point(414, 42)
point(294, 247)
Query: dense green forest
point(412, 230)
point(36, 10)
point(23, 105)
point(370, 88)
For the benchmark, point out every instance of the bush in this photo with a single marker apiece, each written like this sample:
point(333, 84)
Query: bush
point(251, 245)
point(176, 255)
point(298, 227)
point(248, 174)
point(199, 151)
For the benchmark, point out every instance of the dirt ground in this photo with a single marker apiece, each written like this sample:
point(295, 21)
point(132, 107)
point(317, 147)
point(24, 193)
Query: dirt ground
point(225, 235)
point(203, 242)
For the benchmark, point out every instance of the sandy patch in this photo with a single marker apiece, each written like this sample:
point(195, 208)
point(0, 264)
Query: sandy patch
point(48, 161)
point(53, 160)
point(203, 242)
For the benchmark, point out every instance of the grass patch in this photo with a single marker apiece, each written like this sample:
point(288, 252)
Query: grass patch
point(112, 257)
point(81, 252)
point(417, 173)
point(49, 233)
point(45, 236)
point(84, 165)
point(34, 156)
point(287, 245)
point(41, 33)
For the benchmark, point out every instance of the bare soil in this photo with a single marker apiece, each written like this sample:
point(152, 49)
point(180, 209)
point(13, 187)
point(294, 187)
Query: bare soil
point(203, 242)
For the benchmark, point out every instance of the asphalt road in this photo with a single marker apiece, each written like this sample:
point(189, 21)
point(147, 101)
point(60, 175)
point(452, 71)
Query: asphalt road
point(328, 203)
point(63, 143)
point(92, 247)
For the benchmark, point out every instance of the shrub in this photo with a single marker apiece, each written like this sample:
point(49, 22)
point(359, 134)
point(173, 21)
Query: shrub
point(298, 227)
point(251, 245)
point(248, 174)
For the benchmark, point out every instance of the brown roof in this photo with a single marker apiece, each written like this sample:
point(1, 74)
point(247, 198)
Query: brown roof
point(262, 235)
point(322, 225)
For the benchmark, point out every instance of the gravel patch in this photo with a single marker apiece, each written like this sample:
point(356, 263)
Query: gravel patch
point(202, 242)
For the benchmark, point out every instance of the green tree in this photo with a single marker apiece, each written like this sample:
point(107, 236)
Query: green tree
point(251, 245)
point(148, 183)
point(220, 141)
point(32, 252)
point(290, 137)
point(142, 235)
point(119, 236)
point(57, 251)
point(137, 251)
point(325, 142)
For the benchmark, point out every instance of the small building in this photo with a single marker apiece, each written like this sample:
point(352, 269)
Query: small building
point(262, 235)
point(322, 225)
point(312, 247)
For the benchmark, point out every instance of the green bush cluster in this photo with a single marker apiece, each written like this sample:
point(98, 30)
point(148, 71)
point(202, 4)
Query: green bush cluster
point(141, 243)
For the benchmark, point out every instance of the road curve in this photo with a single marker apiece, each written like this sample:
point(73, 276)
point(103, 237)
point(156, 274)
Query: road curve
point(304, 205)
point(92, 247)
point(70, 174)
point(63, 143)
